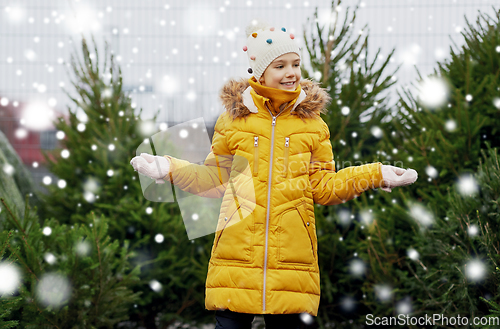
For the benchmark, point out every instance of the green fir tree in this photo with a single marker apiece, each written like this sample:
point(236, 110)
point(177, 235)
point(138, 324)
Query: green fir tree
point(8, 302)
point(460, 254)
point(443, 141)
point(72, 276)
point(96, 176)
point(352, 261)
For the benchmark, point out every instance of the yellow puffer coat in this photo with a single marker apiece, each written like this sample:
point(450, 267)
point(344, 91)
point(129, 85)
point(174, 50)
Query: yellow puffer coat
point(270, 171)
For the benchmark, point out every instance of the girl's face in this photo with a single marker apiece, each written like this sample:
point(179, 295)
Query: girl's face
point(283, 73)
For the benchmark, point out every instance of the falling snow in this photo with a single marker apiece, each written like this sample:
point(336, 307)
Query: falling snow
point(413, 254)
point(50, 258)
point(376, 131)
point(155, 285)
point(9, 278)
point(404, 306)
point(306, 318)
point(473, 230)
point(431, 171)
point(383, 292)
point(450, 125)
point(475, 270)
point(53, 290)
point(344, 217)
point(348, 304)
point(47, 180)
point(83, 248)
point(433, 92)
point(467, 186)
point(357, 267)
point(496, 102)
point(421, 215)
point(366, 217)
point(159, 238)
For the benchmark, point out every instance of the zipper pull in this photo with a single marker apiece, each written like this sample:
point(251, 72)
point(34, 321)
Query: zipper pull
point(274, 121)
point(285, 160)
point(255, 155)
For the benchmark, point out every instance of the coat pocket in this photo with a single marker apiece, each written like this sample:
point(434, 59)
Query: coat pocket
point(296, 243)
point(234, 240)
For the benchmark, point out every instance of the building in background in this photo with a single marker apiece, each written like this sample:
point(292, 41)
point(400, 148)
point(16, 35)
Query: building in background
point(27, 143)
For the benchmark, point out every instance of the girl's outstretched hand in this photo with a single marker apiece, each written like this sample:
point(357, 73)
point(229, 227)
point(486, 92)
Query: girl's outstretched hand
point(153, 166)
point(395, 176)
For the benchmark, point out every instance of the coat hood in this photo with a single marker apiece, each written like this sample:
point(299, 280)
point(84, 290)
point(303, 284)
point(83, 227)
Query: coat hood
point(236, 98)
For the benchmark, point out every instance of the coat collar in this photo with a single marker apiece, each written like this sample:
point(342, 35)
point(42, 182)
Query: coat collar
point(250, 104)
point(238, 101)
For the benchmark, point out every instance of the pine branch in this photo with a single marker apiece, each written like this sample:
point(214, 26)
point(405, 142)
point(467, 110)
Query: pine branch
point(13, 216)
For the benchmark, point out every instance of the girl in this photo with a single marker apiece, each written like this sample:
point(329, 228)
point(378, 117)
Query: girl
point(271, 160)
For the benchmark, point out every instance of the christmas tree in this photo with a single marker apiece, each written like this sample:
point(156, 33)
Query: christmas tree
point(67, 277)
point(95, 175)
point(460, 251)
point(442, 130)
point(443, 133)
point(359, 84)
point(8, 303)
point(375, 253)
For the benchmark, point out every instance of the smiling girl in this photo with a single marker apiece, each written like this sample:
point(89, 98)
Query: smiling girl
point(264, 258)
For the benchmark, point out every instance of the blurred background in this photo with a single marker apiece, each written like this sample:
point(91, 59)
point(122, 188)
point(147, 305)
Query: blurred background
point(175, 56)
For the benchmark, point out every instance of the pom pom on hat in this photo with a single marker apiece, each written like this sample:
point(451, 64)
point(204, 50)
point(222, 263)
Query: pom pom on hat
point(265, 44)
point(254, 26)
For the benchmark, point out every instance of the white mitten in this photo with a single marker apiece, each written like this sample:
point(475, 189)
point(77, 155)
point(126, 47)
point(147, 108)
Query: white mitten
point(395, 176)
point(153, 166)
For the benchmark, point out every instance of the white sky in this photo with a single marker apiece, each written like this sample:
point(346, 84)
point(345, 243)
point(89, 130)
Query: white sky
point(183, 52)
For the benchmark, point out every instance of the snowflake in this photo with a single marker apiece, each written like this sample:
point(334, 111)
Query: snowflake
point(9, 278)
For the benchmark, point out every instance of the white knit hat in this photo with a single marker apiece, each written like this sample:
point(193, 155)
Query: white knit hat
point(265, 44)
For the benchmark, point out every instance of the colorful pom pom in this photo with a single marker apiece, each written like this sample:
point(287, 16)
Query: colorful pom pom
point(269, 41)
point(271, 29)
point(292, 36)
point(283, 29)
point(254, 35)
point(245, 48)
point(252, 57)
point(250, 70)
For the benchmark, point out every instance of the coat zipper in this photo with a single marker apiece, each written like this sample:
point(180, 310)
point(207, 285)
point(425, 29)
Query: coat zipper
point(256, 155)
point(285, 161)
point(269, 180)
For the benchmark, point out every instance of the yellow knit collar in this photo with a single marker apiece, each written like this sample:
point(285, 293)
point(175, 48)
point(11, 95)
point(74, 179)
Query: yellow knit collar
point(272, 96)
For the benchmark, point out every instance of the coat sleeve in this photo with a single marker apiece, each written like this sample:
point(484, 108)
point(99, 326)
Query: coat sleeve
point(209, 179)
point(330, 187)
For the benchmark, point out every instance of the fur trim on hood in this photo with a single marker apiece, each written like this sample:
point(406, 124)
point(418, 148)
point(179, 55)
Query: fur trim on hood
point(315, 102)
